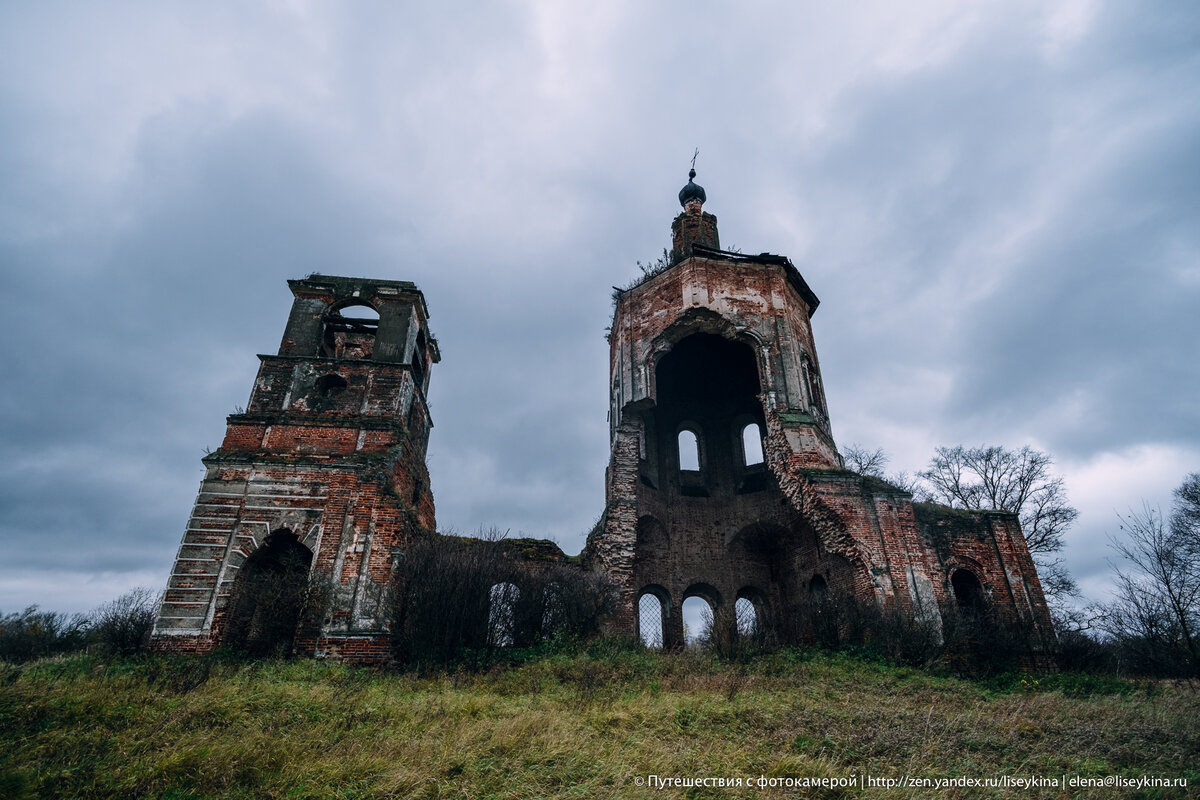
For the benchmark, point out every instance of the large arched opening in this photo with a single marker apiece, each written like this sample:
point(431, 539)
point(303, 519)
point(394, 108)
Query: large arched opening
point(269, 597)
point(703, 386)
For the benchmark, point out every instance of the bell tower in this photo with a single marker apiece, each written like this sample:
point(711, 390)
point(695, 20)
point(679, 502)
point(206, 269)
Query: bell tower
point(317, 486)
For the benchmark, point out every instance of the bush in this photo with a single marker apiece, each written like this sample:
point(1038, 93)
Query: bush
point(34, 634)
point(123, 626)
point(965, 643)
point(457, 600)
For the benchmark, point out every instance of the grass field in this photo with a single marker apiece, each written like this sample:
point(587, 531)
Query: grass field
point(594, 722)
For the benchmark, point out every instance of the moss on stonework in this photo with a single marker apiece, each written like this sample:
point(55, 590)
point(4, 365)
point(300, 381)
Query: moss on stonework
point(870, 483)
point(524, 548)
point(940, 524)
point(533, 549)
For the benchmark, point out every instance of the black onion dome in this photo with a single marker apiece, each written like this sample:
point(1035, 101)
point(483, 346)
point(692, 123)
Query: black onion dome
point(693, 191)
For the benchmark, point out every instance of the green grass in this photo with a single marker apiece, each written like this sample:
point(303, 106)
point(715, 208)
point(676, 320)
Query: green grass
point(586, 723)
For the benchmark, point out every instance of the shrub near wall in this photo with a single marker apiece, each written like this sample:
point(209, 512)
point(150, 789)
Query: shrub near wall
point(458, 599)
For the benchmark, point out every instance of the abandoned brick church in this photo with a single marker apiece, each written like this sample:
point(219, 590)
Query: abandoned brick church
point(724, 481)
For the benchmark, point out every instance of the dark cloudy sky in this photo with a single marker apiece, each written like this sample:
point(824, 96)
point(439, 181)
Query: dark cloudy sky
point(997, 202)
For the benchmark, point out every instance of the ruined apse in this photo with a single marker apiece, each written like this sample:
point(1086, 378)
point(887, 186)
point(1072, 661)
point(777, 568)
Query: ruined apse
point(725, 482)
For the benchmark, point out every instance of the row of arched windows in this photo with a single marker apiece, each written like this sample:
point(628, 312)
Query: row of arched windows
point(698, 615)
point(690, 449)
point(698, 612)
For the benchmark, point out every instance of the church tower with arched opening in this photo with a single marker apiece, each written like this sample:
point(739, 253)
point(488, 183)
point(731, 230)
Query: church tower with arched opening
point(725, 482)
point(317, 487)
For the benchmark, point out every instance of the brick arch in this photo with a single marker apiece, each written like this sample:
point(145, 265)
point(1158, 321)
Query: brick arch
point(960, 563)
point(701, 320)
point(265, 600)
point(832, 534)
point(651, 537)
point(703, 590)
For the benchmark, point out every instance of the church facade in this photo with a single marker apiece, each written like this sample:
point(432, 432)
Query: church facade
point(724, 480)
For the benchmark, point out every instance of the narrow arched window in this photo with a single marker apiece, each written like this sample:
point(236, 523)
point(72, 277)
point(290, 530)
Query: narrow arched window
point(697, 621)
point(650, 621)
point(689, 451)
point(502, 614)
point(968, 592)
point(752, 446)
point(747, 616)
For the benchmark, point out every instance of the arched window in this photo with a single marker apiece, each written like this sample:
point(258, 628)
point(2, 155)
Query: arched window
point(752, 446)
point(650, 620)
point(817, 588)
point(419, 366)
point(350, 332)
point(747, 616)
point(812, 383)
point(968, 592)
point(689, 451)
point(502, 614)
point(697, 621)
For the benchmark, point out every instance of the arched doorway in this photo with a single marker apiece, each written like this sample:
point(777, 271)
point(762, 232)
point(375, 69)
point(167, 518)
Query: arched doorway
point(269, 597)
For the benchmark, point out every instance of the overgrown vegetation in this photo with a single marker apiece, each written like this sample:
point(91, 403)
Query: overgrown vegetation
point(585, 720)
point(119, 627)
point(997, 479)
point(459, 600)
point(1154, 618)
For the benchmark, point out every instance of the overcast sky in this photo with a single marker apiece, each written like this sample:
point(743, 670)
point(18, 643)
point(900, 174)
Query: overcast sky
point(998, 204)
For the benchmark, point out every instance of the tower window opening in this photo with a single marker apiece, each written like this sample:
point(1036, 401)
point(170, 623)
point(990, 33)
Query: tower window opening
point(419, 367)
point(689, 451)
point(752, 446)
point(350, 332)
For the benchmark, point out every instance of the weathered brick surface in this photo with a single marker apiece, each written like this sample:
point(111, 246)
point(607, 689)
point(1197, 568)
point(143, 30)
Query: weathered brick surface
point(340, 463)
point(729, 530)
point(332, 449)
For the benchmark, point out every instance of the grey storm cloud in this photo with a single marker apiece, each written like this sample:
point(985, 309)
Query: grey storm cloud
point(996, 204)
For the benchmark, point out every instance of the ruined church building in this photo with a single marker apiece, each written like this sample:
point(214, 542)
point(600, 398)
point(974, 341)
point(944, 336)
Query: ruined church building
point(723, 482)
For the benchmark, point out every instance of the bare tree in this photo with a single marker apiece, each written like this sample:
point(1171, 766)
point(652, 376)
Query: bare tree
point(1185, 517)
point(1019, 481)
point(1156, 614)
point(872, 462)
point(859, 459)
